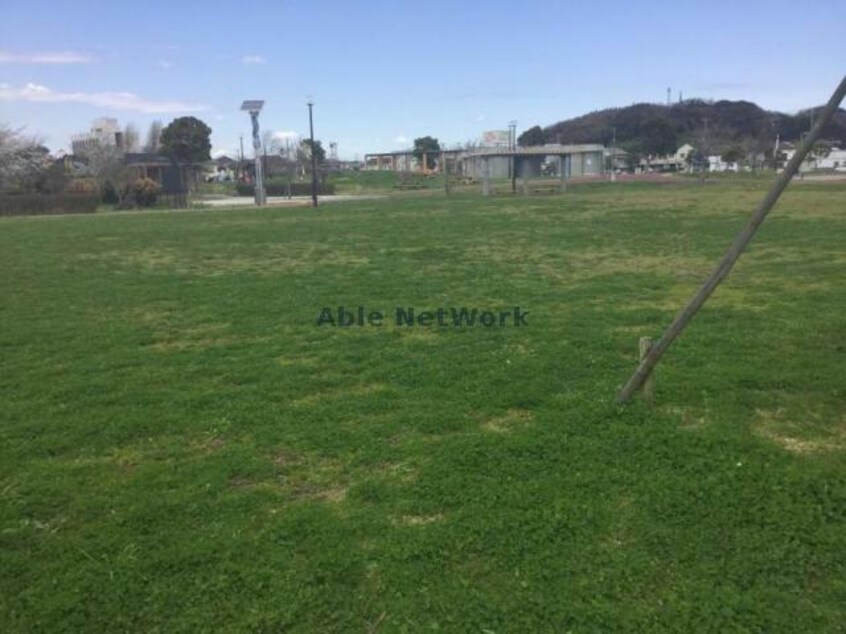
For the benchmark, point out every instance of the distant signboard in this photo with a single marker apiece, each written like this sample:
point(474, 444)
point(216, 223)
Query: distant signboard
point(495, 138)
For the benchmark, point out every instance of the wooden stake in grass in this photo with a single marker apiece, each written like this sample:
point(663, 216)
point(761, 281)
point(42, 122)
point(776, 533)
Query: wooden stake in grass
point(724, 267)
point(649, 384)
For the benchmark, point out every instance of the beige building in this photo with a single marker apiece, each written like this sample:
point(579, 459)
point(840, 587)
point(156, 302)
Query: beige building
point(104, 132)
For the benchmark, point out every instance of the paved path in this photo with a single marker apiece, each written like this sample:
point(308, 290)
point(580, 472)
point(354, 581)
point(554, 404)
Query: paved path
point(282, 201)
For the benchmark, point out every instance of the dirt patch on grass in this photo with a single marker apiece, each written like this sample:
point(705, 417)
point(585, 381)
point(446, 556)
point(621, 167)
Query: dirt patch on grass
point(512, 420)
point(209, 445)
point(300, 476)
point(310, 491)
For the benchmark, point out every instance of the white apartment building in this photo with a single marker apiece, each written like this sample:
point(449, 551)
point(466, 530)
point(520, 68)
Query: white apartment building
point(104, 131)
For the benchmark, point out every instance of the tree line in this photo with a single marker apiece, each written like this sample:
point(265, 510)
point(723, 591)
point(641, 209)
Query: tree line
point(738, 127)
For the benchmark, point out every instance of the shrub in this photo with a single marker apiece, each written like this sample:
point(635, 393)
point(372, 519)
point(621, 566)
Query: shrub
point(109, 195)
point(280, 188)
point(145, 191)
point(45, 204)
point(82, 186)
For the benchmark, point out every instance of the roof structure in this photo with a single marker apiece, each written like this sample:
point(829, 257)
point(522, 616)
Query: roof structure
point(552, 149)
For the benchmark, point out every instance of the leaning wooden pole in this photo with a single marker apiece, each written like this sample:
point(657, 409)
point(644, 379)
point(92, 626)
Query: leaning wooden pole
point(724, 267)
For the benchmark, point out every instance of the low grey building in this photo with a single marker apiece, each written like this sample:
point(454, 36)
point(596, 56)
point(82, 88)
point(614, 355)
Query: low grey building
point(532, 162)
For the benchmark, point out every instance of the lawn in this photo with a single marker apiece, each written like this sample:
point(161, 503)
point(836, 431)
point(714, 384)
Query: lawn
point(183, 448)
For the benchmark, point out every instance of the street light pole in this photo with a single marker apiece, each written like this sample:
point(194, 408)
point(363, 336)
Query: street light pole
point(254, 106)
point(313, 156)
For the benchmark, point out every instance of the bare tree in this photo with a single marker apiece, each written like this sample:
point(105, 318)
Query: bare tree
point(107, 166)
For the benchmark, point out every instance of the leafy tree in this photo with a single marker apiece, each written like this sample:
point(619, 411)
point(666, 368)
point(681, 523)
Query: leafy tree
point(532, 136)
point(427, 145)
point(633, 158)
point(733, 154)
point(659, 137)
point(186, 140)
point(319, 152)
point(821, 149)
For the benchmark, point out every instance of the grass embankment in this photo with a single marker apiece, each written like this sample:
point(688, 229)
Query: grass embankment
point(183, 448)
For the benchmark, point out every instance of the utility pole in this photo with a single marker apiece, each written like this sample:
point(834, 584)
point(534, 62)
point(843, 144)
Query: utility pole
point(313, 155)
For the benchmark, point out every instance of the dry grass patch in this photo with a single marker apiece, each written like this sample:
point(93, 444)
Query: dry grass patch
point(266, 259)
point(580, 266)
point(300, 476)
point(689, 418)
point(512, 420)
point(676, 296)
point(339, 393)
point(418, 520)
point(303, 362)
point(779, 427)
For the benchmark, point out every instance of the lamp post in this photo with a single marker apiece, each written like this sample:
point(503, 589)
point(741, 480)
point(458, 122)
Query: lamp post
point(313, 154)
point(254, 106)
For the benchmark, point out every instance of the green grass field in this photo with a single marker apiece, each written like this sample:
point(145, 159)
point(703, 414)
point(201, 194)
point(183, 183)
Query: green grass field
point(183, 449)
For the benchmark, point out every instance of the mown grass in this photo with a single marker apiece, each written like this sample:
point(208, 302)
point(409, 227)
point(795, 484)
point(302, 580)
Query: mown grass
point(183, 449)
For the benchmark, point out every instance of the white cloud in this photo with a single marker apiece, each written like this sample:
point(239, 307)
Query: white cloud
point(218, 152)
point(285, 135)
point(110, 100)
point(63, 57)
point(253, 59)
point(481, 116)
point(165, 65)
point(401, 139)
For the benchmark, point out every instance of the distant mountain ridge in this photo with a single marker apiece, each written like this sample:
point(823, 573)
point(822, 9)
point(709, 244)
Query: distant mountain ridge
point(711, 126)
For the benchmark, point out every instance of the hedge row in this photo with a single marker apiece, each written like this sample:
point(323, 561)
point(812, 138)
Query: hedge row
point(281, 189)
point(45, 204)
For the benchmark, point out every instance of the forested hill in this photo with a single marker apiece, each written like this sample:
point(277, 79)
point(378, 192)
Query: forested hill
point(709, 125)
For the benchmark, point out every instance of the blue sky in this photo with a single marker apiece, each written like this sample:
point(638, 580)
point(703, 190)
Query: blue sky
point(383, 73)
